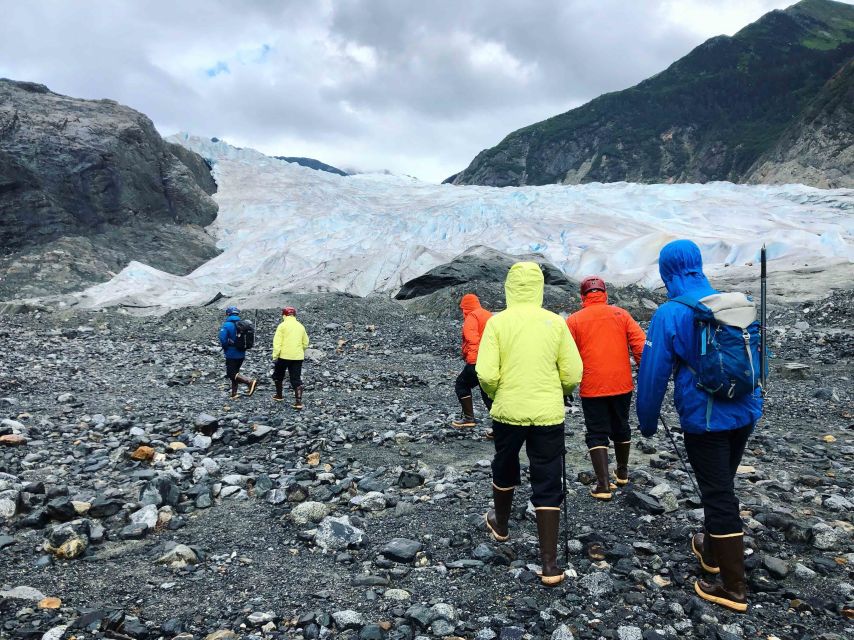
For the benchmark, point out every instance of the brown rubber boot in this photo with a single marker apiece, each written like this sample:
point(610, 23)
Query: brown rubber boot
point(548, 526)
point(621, 453)
point(498, 518)
point(729, 589)
point(298, 398)
point(278, 397)
point(234, 386)
point(467, 418)
point(599, 458)
point(702, 548)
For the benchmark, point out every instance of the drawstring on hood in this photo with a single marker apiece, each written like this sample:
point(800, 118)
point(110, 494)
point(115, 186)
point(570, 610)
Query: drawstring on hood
point(680, 265)
point(524, 285)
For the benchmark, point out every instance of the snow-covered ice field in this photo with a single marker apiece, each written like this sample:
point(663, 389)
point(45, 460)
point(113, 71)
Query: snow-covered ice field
point(283, 227)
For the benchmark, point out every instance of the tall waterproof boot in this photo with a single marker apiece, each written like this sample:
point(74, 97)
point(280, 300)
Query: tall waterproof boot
point(701, 545)
point(467, 418)
point(603, 488)
point(251, 384)
point(498, 518)
point(298, 398)
point(548, 525)
point(234, 385)
point(621, 453)
point(278, 397)
point(729, 589)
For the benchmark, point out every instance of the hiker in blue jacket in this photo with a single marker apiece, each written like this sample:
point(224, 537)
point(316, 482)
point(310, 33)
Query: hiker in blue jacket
point(233, 356)
point(715, 429)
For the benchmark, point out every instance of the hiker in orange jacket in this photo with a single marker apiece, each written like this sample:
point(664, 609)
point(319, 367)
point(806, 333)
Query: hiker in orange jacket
point(605, 334)
point(475, 318)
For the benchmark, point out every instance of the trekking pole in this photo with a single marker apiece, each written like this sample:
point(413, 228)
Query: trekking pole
point(678, 453)
point(565, 517)
point(763, 320)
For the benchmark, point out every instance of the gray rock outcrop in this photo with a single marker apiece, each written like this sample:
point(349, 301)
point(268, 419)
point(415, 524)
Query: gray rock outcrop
point(88, 185)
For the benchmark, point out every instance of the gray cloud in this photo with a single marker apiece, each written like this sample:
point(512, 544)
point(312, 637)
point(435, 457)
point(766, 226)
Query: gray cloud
point(415, 87)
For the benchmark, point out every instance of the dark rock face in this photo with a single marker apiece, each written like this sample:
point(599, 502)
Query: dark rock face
point(759, 106)
point(477, 264)
point(90, 184)
point(311, 163)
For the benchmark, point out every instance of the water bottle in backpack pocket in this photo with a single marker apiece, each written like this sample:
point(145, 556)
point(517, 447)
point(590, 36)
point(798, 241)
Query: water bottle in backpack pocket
point(728, 345)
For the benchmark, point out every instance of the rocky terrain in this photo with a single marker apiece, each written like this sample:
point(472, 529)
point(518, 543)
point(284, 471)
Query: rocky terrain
point(88, 185)
point(770, 104)
point(136, 501)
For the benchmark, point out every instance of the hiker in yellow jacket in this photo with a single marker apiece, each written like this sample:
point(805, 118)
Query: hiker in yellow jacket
point(289, 345)
point(527, 363)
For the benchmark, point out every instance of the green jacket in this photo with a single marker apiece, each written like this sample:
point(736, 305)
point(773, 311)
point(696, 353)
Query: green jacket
point(527, 360)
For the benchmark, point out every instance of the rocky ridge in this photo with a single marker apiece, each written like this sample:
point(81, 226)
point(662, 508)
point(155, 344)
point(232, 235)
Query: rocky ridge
point(88, 185)
point(770, 104)
point(137, 501)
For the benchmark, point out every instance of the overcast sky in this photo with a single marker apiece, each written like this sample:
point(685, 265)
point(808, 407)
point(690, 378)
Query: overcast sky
point(416, 87)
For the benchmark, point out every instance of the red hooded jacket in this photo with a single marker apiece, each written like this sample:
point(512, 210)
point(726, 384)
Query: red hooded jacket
point(604, 335)
point(474, 322)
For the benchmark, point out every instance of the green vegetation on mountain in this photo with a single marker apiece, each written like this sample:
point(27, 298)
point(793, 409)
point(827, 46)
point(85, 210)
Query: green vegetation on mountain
point(712, 115)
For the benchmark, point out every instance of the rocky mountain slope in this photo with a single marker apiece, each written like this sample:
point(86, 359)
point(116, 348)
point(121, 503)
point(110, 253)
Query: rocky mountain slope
point(769, 104)
point(88, 185)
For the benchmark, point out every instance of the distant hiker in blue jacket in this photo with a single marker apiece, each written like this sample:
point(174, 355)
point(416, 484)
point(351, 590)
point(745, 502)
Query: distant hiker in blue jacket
point(715, 429)
point(233, 356)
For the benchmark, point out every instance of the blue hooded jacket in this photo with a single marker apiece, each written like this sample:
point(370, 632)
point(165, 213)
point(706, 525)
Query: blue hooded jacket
point(227, 336)
point(672, 340)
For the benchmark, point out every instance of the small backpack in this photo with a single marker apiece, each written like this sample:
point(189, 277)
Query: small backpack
point(245, 338)
point(729, 352)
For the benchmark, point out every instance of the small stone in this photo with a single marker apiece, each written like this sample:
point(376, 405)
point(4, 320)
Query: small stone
point(12, 440)
point(825, 537)
point(803, 572)
point(397, 594)
point(337, 533)
point(147, 516)
point(180, 554)
point(23, 593)
point(222, 634)
point(50, 603)
point(597, 583)
point(562, 633)
point(775, 566)
point(306, 512)
point(371, 501)
point(401, 549)
point(201, 441)
point(143, 453)
point(176, 446)
point(313, 459)
point(71, 548)
point(348, 619)
point(409, 480)
point(644, 502)
point(630, 633)
point(829, 439)
point(745, 469)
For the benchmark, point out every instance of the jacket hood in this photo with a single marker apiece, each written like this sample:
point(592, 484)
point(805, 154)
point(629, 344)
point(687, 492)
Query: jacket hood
point(524, 284)
point(469, 303)
point(288, 318)
point(594, 297)
point(232, 318)
point(680, 265)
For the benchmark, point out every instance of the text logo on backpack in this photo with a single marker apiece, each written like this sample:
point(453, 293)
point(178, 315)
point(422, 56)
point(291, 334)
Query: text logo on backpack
point(245, 338)
point(729, 358)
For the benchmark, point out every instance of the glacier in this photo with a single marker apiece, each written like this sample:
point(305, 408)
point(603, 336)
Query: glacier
point(286, 228)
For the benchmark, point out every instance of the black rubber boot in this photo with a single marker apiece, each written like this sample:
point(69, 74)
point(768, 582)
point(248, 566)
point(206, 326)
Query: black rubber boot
point(498, 518)
point(702, 548)
point(278, 397)
point(298, 398)
point(467, 418)
point(599, 458)
point(621, 454)
point(548, 527)
point(729, 589)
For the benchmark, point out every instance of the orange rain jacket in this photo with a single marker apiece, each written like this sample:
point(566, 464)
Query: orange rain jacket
point(474, 322)
point(604, 334)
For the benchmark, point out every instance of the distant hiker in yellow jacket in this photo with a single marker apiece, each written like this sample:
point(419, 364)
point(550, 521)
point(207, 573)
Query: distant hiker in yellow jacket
point(527, 363)
point(289, 345)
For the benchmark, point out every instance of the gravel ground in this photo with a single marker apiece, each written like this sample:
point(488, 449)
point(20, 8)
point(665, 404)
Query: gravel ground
point(286, 523)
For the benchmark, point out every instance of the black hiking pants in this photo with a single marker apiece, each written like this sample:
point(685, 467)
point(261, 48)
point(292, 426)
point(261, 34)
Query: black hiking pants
point(545, 449)
point(232, 367)
point(607, 417)
point(715, 456)
point(466, 381)
point(293, 369)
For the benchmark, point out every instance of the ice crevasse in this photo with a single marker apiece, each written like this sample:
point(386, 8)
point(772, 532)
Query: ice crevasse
point(284, 227)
